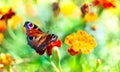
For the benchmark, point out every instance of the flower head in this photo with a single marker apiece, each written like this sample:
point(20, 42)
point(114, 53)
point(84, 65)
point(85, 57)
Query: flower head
point(80, 42)
point(68, 8)
point(4, 10)
point(5, 60)
point(3, 26)
point(7, 15)
point(90, 17)
point(105, 3)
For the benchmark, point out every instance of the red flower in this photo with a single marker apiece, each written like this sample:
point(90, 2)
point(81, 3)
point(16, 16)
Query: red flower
point(72, 52)
point(8, 15)
point(105, 3)
point(51, 45)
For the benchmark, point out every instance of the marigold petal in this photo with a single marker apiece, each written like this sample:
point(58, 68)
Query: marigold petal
point(72, 52)
point(3, 26)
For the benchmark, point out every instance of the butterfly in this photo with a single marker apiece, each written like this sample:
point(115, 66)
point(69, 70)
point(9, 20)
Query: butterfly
point(37, 39)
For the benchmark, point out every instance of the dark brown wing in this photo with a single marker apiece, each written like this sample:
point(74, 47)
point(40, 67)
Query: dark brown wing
point(39, 43)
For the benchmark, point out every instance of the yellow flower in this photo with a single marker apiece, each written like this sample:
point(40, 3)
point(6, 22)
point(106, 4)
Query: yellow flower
point(5, 60)
point(14, 21)
point(1, 38)
point(4, 10)
point(90, 17)
point(80, 42)
point(68, 8)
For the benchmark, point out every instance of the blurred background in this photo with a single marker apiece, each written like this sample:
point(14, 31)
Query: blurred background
point(99, 18)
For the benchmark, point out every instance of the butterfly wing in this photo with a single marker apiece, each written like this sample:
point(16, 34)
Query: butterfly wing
point(37, 39)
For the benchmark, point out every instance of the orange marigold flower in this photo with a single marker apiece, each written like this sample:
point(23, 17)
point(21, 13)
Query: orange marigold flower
point(50, 47)
point(80, 42)
point(3, 26)
point(90, 17)
point(105, 3)
point(5, 59)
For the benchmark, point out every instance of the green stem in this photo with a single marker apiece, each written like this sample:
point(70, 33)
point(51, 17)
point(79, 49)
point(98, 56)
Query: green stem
point(100, 11)
point(9, 68)
point(77, 63)
point(53, 65)
point(60, 67)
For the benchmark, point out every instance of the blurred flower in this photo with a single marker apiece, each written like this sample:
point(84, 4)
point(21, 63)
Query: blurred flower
point(94, 27)
point(4, 10)
point(2, 26)
point(68, 8)
point(1, 38)
point(55, 8)
point(105, 3)
point(5, 60)
point(84, 8)
point(80, 42)
point(90, 17)
point(30, 10)
point(50, 47)
point(8, 15)
point(14, 21)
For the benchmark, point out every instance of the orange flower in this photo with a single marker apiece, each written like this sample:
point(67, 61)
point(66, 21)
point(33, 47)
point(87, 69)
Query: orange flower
point(105, 3)
point(5, 60)
point(90, 17)
point(80, 42)
point(2, 26)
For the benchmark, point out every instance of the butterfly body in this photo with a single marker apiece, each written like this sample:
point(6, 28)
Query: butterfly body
point(38, 39)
